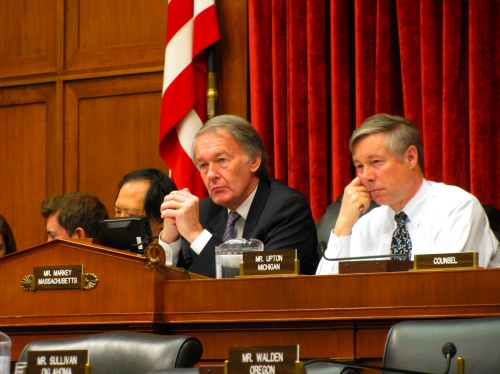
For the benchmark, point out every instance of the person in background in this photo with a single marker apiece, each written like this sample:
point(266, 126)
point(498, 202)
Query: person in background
point(232, 161)
point(7, 241)
point(416, 216)
point(141, 193)
point(74, 215)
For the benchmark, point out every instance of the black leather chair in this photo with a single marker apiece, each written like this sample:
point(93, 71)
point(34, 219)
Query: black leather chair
point(494, 219)
point(417, 345)
point(127, 352)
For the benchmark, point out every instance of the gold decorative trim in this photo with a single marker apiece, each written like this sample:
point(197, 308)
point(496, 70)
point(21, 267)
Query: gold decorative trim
point(154, 262)
point(27, 283)
point(89, 281)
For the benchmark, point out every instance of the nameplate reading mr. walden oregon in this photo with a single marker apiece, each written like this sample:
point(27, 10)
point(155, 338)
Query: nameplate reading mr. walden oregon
point(264, 360)
point(282, 261)
point(58, 362)
point(58, 277)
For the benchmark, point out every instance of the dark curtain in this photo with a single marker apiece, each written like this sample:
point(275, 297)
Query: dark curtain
point(319, 68)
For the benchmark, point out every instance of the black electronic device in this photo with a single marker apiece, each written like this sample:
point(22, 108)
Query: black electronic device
point(128, 233)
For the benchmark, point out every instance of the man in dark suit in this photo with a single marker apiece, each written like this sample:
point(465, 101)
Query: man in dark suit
point(232, 161)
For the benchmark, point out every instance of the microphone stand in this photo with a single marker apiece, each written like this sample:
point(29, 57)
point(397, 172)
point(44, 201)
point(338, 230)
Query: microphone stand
point(460, 366)
point(370, 367)
point(322, 247)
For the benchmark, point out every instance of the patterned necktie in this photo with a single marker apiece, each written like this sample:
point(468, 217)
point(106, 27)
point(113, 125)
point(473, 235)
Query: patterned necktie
point(401, 242)
point(230, 232)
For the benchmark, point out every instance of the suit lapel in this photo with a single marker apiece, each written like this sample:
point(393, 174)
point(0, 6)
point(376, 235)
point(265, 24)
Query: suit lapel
point(256, 209)
point(218, 223)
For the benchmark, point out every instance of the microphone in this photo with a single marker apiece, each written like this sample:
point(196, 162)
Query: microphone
point(322, 246)
point(449, 351)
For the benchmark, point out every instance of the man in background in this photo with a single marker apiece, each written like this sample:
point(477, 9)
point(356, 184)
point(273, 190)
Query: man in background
point(141, 193)
point(416, 216)
point(75, 215)
point(244, 202)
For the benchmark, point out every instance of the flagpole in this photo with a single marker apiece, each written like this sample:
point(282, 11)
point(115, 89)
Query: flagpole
point(212, 92)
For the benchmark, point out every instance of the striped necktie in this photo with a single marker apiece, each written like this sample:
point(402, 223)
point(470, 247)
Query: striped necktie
point(230, 232)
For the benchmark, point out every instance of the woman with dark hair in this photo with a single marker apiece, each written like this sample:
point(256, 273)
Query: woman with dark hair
point(7, 242)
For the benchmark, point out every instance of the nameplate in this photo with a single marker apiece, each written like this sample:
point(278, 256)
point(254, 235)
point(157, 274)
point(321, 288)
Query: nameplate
point(460, 260)
point(374, 266)
point(282, 261)
point(58, 362)
point(58, 277)
point(263, 360)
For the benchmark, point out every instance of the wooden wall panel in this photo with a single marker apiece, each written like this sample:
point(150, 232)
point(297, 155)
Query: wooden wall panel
point(111, 127)
point(232, 58)
point(80, 96)
point(105, 34)
point(30, 151)
point(29, 37)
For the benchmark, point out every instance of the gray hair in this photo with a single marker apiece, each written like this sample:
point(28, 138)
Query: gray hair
point(244, 134)
point(401, 133)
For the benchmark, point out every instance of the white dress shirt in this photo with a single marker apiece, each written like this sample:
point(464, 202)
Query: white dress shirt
point(441, 219)
point(172, 250)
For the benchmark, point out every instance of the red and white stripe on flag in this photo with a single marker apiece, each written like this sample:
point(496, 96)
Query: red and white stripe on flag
point(191, 27)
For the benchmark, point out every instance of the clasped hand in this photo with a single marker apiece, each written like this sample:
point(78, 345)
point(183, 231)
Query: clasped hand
point(180, 214)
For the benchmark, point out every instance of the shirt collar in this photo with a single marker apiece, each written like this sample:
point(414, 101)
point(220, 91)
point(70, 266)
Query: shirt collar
point(244, 208)
point(414, 209)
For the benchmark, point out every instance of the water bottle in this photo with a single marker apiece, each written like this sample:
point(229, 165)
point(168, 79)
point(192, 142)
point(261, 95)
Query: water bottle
point(5, 345)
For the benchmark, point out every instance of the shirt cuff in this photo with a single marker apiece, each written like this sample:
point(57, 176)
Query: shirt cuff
point(201, 241)
point(172, 251)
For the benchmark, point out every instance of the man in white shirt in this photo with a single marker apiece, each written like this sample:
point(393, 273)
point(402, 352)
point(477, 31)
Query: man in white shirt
point(232, 161)
point(387, 155)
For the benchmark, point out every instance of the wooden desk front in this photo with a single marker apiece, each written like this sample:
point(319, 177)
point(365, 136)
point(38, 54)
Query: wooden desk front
point(127, 297)
point(337, 316)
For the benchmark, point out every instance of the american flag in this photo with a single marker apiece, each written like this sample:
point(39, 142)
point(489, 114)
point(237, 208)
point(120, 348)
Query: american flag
point(191, 27)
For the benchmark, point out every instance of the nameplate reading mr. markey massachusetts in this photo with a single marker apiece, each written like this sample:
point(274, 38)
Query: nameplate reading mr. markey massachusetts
point(59, 277)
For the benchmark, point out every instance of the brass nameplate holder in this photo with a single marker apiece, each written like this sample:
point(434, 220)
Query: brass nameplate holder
point(374, 266)
point(59, 277)
point(58, 362)
point(264, 360)
point(275, 262)
point(460, 260)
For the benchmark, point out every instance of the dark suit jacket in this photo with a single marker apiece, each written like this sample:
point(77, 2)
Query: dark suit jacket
point(279, 216)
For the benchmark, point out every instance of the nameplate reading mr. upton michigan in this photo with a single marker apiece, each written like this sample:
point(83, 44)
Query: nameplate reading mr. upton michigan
point(264, 360)
point(276, 262)
point(58, 277)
